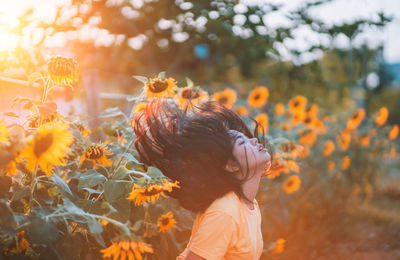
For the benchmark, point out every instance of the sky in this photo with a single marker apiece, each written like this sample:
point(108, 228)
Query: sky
point(335, 12)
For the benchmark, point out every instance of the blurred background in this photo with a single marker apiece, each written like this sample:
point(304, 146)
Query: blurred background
point(340, 54)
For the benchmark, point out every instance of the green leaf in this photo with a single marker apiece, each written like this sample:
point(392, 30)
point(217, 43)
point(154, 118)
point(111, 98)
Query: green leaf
point(5, 184)
point(47, 108)
point(161, 75)
point(137, 225)
point(90, 179)
point(6, 215)
point(94, 226)
point(114, 189)
point(155, 173)
point(121, 173)
point(141, 79)
point(63, 187)
point(35, 76)
point(41, 231)
point(130, 158)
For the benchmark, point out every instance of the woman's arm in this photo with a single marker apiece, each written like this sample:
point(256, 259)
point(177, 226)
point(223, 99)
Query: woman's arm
point(193, 256)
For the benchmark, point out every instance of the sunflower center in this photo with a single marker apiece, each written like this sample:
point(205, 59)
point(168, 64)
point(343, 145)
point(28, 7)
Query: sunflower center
point(257, 96)
point(152, 192)
point(190, 94)
point(223, 100)
point(296, 103)
point(307, 120)
point(289, 183)
point(158, 86)
point(94, 153)
point(165, 221)
point(42, 144)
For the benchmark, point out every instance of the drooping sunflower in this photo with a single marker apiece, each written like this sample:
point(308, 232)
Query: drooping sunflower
point(292, 184)
point(329, 147)
point(394, 132)
point(48, 147)
point(356, 119)
point(242, 111)
point(150, 192)
point(62, 70)
point(160, 88)
point(312, 110)
point(227, 97)
point(258, 97)
point(279, 109)
point(166, 222)
point(97, 154)
point(34, 120)
point(297, 104)
point(193, 94)
point(127, 249)
point(262, 119)
point(382, 116)
point(344, 139)
point(345, 162)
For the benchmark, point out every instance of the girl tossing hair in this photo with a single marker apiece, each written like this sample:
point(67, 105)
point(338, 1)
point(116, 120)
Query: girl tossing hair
point(218, 162)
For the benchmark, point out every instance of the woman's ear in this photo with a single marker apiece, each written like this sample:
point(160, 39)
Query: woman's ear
point(231, 166)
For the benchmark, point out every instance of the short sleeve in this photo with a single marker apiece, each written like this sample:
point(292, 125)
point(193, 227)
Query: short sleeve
point(215, 233)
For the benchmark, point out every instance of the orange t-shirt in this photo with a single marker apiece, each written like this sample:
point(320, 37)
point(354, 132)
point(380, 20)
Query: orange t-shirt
point(227, 230)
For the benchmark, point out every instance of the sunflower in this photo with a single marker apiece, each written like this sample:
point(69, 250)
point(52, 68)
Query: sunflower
point(312, 110)
point(308, 138)
point(195, 94)
point(298, 118)
point(292, 184)
point(279, 245)
point(10, 168)
point(394, 132)
point(127, 249)
point(139, 107)
point(3, 131)
point(310, 121)
point(160, 88)
point(84, 130)
point(356, 119)
point(278, 166)
point(62, 70)
point(364, 141)
point(331, 166)
point(329, 147)
point(151, 192)
point(279, 109)
point(48, 147)
point(345, 162)
point(262, 119)
point(382, 116)
point(258, 97)
point(242, 111)
point(23, 244)
point(97, 153)
point(166, 222)
point(344, 139)
point(297, 104)
point(34, 120)
point(227, 97)
point(392, 153)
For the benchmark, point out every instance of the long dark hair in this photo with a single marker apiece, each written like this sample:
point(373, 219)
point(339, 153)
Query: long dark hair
point(192, 146)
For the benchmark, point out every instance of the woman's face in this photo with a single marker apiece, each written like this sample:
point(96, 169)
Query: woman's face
point(257, 156)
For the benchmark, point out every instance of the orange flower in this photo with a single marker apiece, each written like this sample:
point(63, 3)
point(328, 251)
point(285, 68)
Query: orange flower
point(394, 132)
point(195, 95)
point(298, 118)
point(297, 104)
point(160, 88)
point(364, 141)
point(346, 162)
point(166, 222)
point(278, 246)
point(356, 119)
point(262, 119)
point(279, 109)
point(382, 116)
point(308, 138)
point(227, 97)
point(344, 140)
point(328, 148)
point(242, 111)
point(331, 166)
point(127, 249)
point(312, 110)
point(151, 192)
point(292, 184)
point(258, 97)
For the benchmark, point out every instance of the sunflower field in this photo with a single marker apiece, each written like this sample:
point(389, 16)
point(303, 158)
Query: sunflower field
point(63, 196)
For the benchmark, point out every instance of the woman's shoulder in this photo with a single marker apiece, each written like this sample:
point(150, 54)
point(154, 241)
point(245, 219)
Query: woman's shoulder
point(227, 204)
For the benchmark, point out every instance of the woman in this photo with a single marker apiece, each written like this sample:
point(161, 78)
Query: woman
point(218, 163)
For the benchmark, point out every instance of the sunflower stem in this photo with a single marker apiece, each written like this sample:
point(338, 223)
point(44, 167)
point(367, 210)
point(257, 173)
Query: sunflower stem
point(121, 157)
